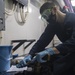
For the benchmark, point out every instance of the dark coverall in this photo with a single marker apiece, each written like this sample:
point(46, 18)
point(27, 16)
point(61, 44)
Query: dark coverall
point(66, 34)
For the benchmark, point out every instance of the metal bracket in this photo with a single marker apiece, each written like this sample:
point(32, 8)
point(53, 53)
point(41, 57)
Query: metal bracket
point(22, 2)
point(21, 42)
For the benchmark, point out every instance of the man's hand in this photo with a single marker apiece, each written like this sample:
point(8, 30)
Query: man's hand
point(40, 56)
point(24, 62)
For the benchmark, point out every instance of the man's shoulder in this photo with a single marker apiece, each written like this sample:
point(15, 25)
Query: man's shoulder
point(70, 17)
point(70, 14)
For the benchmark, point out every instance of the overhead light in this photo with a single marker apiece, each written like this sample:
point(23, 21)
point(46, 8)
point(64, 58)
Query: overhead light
point(73, 2)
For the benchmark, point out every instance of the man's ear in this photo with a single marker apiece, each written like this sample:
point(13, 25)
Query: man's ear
point(54, 10)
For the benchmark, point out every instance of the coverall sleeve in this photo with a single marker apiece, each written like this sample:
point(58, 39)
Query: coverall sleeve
point(68, 46)
point(44, 40)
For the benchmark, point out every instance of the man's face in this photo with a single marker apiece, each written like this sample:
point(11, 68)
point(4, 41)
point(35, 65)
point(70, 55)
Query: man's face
point(48, 14)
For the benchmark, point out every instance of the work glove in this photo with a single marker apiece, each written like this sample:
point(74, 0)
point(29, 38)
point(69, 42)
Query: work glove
point(40, 56)
point(24, 62)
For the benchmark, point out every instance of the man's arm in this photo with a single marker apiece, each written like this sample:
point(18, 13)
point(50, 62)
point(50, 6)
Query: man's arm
point(68, 46)
point(44, 40)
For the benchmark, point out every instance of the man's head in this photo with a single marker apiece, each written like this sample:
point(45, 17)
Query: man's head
point(49, 10)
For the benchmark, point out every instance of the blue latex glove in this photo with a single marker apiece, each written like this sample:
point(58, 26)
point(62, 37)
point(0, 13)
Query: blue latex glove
point(40, 55)
point(24, 62)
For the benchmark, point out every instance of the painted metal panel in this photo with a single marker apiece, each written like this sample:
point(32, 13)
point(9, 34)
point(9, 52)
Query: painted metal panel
point(2, 16)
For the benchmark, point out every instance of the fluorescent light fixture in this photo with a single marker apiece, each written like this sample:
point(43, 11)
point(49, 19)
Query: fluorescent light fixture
point(73, 2)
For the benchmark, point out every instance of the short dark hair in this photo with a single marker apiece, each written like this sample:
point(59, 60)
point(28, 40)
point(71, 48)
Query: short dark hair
point(48, 5)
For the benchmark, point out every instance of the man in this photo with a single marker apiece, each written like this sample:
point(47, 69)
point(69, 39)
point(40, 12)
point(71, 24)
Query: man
point(63, 25)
